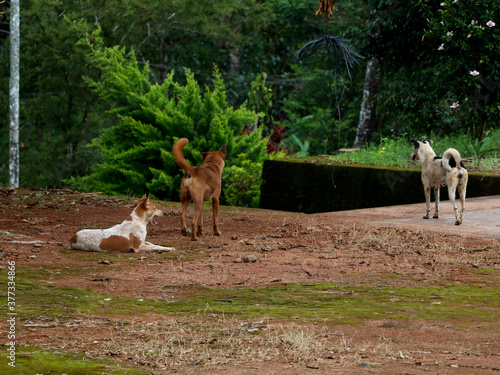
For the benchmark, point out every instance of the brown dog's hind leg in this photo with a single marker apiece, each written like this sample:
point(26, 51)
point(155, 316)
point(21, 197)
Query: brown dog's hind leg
point(436, 201)
point(197, 220)
point(199, 231)
point(215, 213)
point(185, 205)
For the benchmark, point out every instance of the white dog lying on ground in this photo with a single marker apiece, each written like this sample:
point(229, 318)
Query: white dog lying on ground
point(127, 237)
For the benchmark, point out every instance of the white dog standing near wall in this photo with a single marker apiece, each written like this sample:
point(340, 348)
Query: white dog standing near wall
point(438, 172)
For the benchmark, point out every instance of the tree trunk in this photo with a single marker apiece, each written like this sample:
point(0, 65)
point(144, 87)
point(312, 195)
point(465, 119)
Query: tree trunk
point(234, 68)
point(14, 95)
point(367, 112)
point(234, 61)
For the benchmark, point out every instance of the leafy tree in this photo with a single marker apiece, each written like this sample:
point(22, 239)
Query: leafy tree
point(136, 150)
point(59, 113)
point(56, 108)
point(467, 57)
point(321, 114)
point(427, 52)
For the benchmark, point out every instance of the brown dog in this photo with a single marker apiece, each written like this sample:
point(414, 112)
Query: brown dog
point(200, 184)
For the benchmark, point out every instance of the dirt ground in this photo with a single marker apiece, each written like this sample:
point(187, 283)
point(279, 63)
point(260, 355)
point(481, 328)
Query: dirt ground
point(261, 247)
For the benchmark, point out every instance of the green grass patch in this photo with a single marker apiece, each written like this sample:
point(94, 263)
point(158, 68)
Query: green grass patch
point(487, 271)
point(33, 360)
point(46, 272)
point(329, 302)
point(395, 152)
point(34, 300)
point(350, 304)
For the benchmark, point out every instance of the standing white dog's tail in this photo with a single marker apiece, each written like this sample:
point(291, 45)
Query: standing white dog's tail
point(452, 159)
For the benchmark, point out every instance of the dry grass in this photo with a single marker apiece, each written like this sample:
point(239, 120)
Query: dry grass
point(195, 341)
point(209, 341)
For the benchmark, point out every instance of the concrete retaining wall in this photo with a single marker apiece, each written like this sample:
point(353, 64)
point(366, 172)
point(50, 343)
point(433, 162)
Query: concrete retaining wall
point(300, 186)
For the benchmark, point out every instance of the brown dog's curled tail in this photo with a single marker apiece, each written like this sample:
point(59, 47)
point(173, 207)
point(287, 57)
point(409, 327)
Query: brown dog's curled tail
point(451, 159)
point(179, 156)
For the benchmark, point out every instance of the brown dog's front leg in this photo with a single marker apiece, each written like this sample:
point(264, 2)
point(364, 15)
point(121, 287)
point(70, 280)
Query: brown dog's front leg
point(215, 213)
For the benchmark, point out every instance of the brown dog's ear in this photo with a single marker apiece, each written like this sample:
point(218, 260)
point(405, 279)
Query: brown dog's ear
point(416, 144)
point(223, 150)
point(204, 155)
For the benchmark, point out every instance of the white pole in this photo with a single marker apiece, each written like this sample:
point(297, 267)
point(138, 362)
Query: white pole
point(14, 95)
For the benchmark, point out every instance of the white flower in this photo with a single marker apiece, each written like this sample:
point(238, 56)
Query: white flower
point(474, 73)
point(441, 47)
point(449, 33)
point(454, 105)
point(490, 23)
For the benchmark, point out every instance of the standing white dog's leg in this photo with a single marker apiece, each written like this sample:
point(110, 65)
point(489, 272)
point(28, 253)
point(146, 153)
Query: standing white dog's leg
point(462, 188)
point(451, 196)
point(436, 198)
point(427, 191)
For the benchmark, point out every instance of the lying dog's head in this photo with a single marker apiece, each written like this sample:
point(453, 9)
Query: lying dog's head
point(146, 210)
point(420, 147)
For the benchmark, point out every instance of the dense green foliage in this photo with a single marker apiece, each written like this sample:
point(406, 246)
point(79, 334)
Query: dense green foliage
point(136, 150)
point(60, 114)
point(427, 51)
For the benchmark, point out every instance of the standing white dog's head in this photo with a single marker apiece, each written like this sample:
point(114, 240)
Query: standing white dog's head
point(420, 149)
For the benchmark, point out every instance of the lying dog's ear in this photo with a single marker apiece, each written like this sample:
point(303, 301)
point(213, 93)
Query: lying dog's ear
point(428, 141)
point(416, 144)
point(144, 200)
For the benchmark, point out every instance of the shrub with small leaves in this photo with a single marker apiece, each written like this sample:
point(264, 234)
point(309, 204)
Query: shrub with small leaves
point(137, 150)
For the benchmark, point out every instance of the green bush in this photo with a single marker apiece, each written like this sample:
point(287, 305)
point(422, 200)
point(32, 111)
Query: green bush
point(136, 151)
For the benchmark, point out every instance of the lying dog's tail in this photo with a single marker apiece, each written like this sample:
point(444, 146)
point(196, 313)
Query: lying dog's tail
point(179, 156)
point(452, 159)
